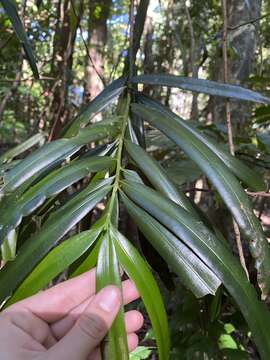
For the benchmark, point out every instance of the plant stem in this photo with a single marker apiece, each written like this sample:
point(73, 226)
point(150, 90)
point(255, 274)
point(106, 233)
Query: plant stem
point(118, 159)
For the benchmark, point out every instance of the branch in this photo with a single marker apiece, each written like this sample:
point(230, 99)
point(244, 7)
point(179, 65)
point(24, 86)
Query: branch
point(5, 43)
point(258, 193)
point(43, 78)
point(196, 189)
point(250, 193)
point(252, 21)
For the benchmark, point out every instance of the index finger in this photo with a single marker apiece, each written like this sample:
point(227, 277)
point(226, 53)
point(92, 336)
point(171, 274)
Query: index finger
point(55, 302)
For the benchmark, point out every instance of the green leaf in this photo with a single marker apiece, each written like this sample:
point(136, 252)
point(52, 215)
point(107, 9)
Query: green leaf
point(8, 248)
point(115, 211)
point(132, 176)
point(217, 257)
point(242, 171)
point(19, 149)
point(12, 13)
point(51, 153)
point(265, 140)
point(13, 210)
point(202, 86)
point(57, 225)
point(226, 341)
point(157, 176)
point(96, 105)
point(54, 263)
point(6, 167)
point(192, 271)
point(140, 353)
point(139, 272)
point(224, 181)
point(87, 263)
point(115, 344)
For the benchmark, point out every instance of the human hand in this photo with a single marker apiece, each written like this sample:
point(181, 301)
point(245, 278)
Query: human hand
point(66, 322)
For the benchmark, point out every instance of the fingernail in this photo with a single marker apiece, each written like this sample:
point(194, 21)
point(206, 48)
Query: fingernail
point(109, 298)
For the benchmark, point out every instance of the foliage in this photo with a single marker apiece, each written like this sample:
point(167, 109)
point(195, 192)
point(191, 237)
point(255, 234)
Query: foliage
point(100, 165)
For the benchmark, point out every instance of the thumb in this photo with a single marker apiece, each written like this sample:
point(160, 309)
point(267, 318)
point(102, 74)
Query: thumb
point(90, 328)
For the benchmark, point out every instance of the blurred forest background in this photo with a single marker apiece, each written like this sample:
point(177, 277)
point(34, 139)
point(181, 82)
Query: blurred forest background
point(82, 45)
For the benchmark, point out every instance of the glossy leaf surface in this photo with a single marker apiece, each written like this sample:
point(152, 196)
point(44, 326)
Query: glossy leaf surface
point(250, 177)
point(19, 149)
point(57, 225)
point(54, 152)
point(217, 257)
point(12, 211)
point(193, 272)
point(87, 263)
point(115, 343)
point(54, 263)
point(157, 176)
point(139, 272)
point(224, 181)
point(202, 86)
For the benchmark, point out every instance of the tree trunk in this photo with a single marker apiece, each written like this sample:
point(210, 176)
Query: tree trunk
point(99, 11)
point(241, 50)
point(62, 65)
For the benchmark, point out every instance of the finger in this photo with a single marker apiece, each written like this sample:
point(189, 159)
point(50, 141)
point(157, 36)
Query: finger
point(56, 302)
point(133, 341)
point(61, 327)
point(130, 292)
point(95, 355)
point(90, 328)
point(14, 337)
point(133, 321)
point(32, 325)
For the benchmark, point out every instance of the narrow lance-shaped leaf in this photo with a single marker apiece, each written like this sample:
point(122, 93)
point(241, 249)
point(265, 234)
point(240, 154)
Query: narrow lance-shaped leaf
point(202, 86)
point(89, 261)
point(57, 225)
point(12, 13)
point(19, 149)
point(12, 211)
point(224, 181)
point(242, 171)
point(115, 343)
point(139, 272)
point(53, 152)
point(217, 257)
point(162, 181)
point(96, 105)
point(157, 176)
point(132, 176)
point(6, 167)
point(192, 271)
point(59, 259)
